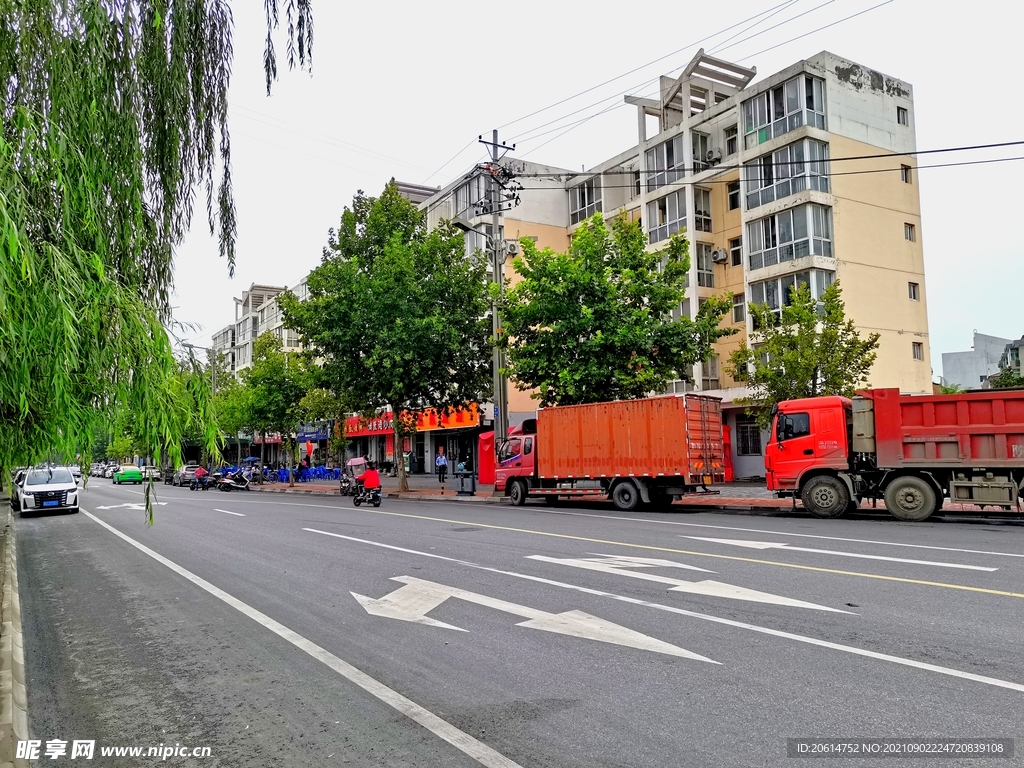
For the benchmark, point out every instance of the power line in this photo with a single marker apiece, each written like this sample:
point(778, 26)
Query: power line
point(841, 173)
point(449, 161)
point(642, 66)
point(880, 156)
point(826, 26)
point(776, 26)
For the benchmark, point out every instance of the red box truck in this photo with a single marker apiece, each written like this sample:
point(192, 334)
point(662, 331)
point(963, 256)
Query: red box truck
point(914, 451)
point(635, 451)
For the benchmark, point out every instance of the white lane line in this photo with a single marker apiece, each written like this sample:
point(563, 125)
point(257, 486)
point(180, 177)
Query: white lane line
point(440, 728)
point(787, 548)
point(706, 617)
point(238, 514)
point(781, 533)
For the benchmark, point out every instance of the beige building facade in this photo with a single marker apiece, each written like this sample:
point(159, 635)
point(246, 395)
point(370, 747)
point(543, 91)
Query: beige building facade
point(801, 177)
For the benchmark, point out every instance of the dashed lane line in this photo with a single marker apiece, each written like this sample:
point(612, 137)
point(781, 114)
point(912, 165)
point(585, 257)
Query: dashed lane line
point(226, 512)
point(570, 537)
point(440, 728)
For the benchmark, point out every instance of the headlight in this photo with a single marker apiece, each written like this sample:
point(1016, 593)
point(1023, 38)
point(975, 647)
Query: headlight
point(27, 497)
point(72, 495)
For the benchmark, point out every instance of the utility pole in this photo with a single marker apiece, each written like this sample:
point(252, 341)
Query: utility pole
point(498, 248)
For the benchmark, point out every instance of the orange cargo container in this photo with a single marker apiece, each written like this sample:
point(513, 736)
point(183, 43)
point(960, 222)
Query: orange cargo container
point(634, 451)
point(678, 436)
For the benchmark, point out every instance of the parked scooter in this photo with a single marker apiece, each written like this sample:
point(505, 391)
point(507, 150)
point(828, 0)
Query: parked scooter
point(347, 485)
point(370, 496)
point(233, 482)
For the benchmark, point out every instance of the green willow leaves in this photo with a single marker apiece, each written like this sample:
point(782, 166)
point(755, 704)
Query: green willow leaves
point(115, 115)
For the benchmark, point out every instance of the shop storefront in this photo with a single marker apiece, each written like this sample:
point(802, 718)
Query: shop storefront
point(312, 440)
point(456, 431)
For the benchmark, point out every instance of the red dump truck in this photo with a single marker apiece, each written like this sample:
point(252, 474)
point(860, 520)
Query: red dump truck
point(913, 451)
point(635, 451)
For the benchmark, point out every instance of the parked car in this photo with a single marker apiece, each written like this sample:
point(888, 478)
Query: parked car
point(184, 475)
point(45, 489)
point(129, 473)
point(109, 471)
point(150, 471)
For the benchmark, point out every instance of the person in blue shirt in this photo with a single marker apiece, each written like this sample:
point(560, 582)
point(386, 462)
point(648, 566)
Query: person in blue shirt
point(441, 462)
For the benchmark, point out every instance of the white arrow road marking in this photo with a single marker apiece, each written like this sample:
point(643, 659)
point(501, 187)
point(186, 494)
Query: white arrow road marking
point(413, 601)
point(459, 739)
point(707, 587)
point(959, 674)
point(790, 548)
point(133, 506)
point(237, 514)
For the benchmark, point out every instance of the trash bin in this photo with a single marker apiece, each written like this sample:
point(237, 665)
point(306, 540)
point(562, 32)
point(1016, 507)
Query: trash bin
point(467, 483)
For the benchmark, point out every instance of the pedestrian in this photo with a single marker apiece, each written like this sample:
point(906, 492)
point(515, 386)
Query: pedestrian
point(441, 462)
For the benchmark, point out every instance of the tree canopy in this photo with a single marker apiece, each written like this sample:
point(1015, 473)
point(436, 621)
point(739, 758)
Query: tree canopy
point(115, 114)
point(398, 314)
point(809, 351)
point(596, 323)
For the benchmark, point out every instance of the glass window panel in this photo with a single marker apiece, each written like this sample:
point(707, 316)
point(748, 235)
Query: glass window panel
point(754, 238)
point(809, 87)
point(771, 294)
point(778, 103)
point(786, 288)
point(785, 225)
point(748, 116)
point(672, 209)
point(792, 95)
point(757, 293)
point(800, 223)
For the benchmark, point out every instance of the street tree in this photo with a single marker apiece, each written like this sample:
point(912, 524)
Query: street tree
point(277, 382)
point(1007, 378)
point(115, 114)
point(399, 314)
point(596, 323)
point(811, 350)
point(322, 404)
point(232, 408)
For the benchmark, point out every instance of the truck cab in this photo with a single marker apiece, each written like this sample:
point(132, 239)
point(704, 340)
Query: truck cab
point(808, 434)
point(517, 454)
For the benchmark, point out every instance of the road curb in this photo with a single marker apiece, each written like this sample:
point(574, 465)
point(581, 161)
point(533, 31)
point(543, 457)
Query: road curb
point(13, 697)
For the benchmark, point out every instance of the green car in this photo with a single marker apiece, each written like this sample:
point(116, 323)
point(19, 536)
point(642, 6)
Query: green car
point(129, 473)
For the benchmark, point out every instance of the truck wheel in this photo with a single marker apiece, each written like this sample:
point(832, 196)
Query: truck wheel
point(517, 493)
point(910, 498)
point(825, 496)
point(625, 496)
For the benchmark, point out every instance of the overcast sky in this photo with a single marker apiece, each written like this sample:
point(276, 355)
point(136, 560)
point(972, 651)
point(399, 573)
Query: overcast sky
point(398, 88)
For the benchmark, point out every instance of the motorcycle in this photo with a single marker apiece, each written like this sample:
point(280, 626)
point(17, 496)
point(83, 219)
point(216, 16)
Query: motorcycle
point(200, 484)
point(347, 485)
point(233, 482)
point(369, 495)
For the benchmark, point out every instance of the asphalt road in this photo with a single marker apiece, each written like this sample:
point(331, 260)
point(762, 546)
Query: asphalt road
point(531, 636)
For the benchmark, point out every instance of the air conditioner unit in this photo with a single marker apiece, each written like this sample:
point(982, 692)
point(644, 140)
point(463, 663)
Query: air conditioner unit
point(719, 256)
point(512, 247)
point(714, 156)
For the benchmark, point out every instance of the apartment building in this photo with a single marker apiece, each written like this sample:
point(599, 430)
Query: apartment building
point(971, 369)
point(801, 177)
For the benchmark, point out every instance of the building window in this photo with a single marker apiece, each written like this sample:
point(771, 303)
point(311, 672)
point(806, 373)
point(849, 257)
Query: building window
point(736, 251)
point(636, 183)
point(777, 292)
point(732, 140)
point(700, 151)
point(914, 290)
point(585, 200)
point(905, 174)
point(734, 195)
point(666, 216)
point(918, 350)
point(709, 374)
point(902, 116)
point(739, 308)
point(909, 233)
point(665, 163)
point(705, 266)
point(783, 109)
point(702, 209)
point(789, 235)
point(748, 436)
point(787, 171)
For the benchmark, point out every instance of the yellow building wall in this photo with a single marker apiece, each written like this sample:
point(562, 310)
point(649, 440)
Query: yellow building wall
point(727, 225)
point(875, 263)
point(557, 238)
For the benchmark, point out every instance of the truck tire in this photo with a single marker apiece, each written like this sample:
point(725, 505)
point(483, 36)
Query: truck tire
point(910, 498)
point(517, 493)
point(825, 496)
point(626, 496)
